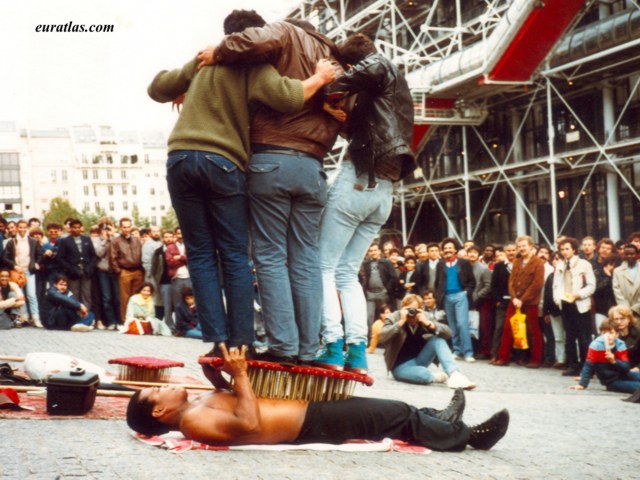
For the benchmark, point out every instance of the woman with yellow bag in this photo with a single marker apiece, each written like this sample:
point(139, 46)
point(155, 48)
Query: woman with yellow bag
point(525, 287)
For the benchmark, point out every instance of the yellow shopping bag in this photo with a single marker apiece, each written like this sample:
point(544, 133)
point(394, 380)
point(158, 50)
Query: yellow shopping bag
point(519, 329)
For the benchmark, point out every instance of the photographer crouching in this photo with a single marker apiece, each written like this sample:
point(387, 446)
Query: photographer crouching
point(412, 342)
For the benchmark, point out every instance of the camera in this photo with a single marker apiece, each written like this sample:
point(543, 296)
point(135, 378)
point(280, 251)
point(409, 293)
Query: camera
point(412, 312)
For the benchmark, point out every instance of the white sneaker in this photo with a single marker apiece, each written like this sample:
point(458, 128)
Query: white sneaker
point(457, 357)
point(469, 359)
point(458, 380)
point(37, 322)
point(81, 327)
point(440, 377)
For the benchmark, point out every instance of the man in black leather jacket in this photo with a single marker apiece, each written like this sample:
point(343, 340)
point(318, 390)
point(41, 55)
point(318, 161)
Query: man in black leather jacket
point(360, 199)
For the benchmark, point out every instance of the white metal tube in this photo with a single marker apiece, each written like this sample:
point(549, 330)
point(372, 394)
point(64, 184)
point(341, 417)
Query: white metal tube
point(552, 162)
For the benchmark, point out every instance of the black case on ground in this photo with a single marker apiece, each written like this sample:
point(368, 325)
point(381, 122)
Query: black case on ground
point(71, 393)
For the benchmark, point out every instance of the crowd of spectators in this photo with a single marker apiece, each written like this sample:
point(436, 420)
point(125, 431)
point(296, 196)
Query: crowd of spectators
point(464, 298)
point(113, 278)
point(565, 292)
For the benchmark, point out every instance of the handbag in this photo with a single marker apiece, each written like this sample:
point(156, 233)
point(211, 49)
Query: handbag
point(519, 328)
point(18, 278)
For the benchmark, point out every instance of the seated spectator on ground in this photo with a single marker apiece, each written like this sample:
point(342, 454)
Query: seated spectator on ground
point(628, 331)
point(412, 342)
point(431, 310)
point(140, 315)
point(385, 311)
point(65, 312)
point(187, 324)
point(609, 359)
point(11, 301)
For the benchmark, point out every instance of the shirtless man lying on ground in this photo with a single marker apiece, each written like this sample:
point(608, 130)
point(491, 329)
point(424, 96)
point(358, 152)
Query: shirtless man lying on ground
point(239, 418)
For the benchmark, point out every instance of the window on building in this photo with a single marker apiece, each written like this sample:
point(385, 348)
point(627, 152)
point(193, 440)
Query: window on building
point(112, 206)
point(87, 206)
point(109, 159)
point(134, 190)
point(124, 174)
point(86, 190)
point(161, 207)
point(124, 189)
point(134, 159)
point(124, 160)
point(146, 158)
point(54, 176)
point(125, 205)
point(97, 206)
point(85, 174)
point(97, 159)
point(95, 175)
point(65, 193)
point(64, 176)
point(85, 160)
point(110, 189)
point(153, 209)
point(109, 174)
point(152, 191)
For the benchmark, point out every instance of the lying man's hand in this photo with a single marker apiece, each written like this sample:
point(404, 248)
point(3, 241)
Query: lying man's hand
point(235, 361)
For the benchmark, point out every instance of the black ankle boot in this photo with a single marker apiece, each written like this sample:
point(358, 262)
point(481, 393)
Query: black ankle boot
point(487, 434)
point(454, 410)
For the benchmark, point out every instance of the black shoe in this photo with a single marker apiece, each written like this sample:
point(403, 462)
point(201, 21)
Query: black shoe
point(273, 358)
point(488, 433)
point(571, 373)
point(215, 351)
point(454, 410)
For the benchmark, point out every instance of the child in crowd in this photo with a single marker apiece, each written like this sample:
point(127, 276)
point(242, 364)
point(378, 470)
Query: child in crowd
point(608, 357)
point(187, 324)
point(65, 312)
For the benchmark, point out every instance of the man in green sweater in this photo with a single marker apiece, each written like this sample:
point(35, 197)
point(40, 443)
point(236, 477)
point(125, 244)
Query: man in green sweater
point(208, 151)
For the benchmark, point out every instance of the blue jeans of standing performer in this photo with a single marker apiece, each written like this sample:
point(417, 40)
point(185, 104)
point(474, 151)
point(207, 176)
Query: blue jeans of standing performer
point(456, 306)
point(287, 194)
point(628, 384)
point(350, 222)
point(110, 292)
point(208, 193)
point(416, 371)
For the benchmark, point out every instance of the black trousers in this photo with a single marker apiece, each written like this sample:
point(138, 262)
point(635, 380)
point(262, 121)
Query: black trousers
point(577, 327)
point(374, 419)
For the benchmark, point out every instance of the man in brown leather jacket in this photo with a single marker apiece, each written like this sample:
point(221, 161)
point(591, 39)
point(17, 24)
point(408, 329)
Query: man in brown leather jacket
point(287, 186)
point(125, 260)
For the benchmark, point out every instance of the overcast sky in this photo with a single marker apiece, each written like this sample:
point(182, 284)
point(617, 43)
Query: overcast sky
point(61, 79)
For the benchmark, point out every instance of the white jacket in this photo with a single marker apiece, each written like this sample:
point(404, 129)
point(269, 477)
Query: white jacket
point(583, 283)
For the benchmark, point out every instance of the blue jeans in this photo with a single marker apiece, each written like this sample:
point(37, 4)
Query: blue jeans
point(350, 222)
point(110, 292)
point(416, 370)
point(456, 306)
point(287, 194)
point(31, 297)
point(629, 384)
point(208, 193)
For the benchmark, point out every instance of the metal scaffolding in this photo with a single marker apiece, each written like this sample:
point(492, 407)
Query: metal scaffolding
point(490, 128)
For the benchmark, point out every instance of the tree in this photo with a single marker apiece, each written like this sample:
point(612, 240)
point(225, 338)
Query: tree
point(169, 220)
point(138, 221)
point(89, 218)
point(59, 210)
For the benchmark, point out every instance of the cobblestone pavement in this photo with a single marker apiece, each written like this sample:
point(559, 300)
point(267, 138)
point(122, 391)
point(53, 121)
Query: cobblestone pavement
point(555, 433)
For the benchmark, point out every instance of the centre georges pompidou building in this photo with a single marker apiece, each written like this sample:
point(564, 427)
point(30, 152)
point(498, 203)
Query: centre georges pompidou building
point(527, 113)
